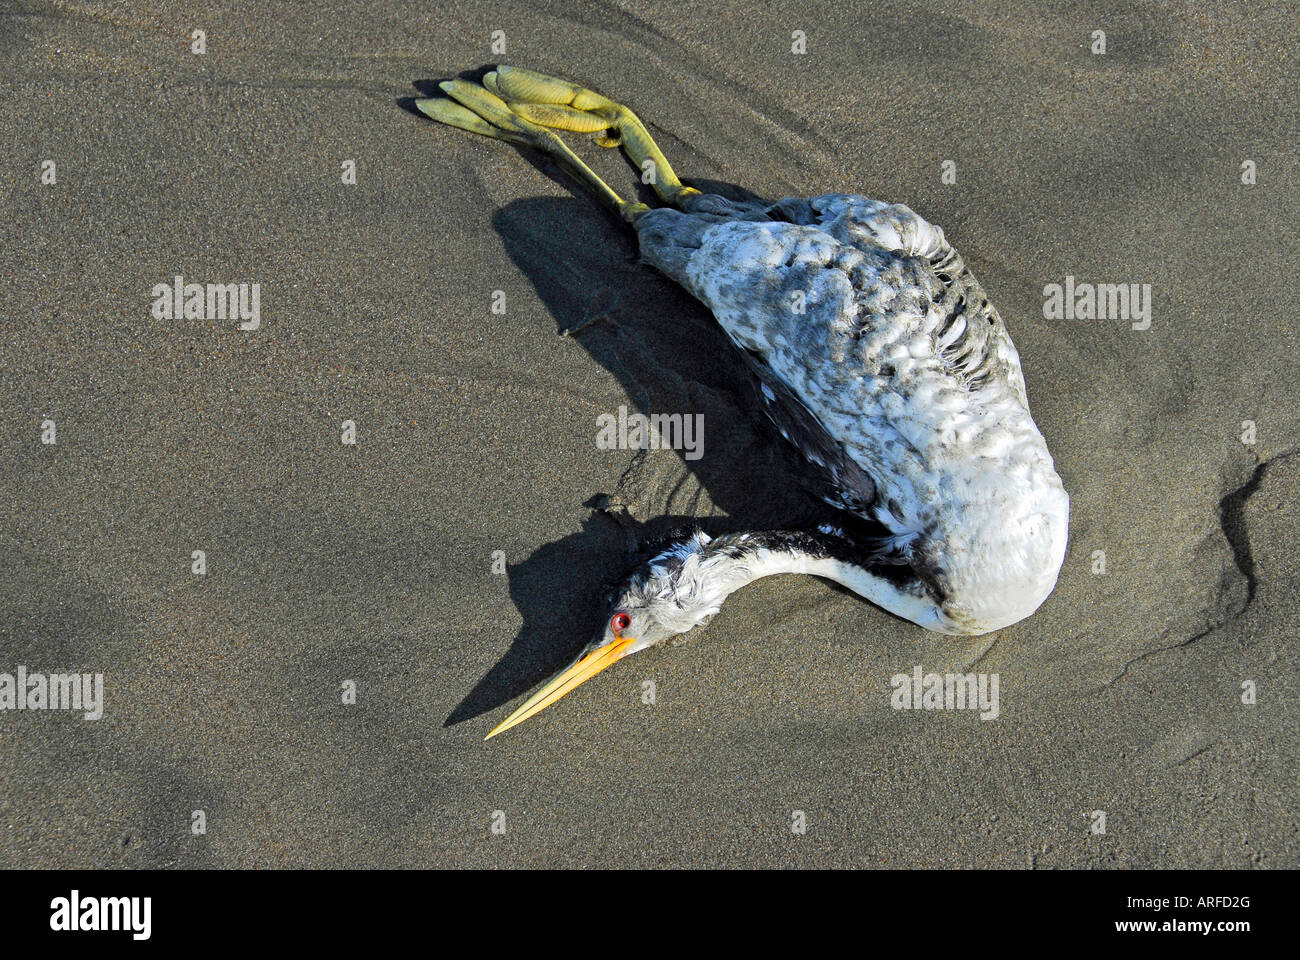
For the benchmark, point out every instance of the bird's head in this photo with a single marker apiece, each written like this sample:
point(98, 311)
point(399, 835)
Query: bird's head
point(666, 595)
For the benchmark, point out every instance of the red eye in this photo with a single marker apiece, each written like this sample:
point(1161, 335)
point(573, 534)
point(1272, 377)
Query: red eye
point(619, 622)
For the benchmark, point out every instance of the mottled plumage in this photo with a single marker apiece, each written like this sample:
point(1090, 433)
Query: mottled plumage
point(886, 365)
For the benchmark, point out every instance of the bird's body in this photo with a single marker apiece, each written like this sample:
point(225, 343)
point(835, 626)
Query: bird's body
point(875, 352)
point(882, 360)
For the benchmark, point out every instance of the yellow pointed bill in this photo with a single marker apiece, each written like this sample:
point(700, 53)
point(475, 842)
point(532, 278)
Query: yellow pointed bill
point(581, 670)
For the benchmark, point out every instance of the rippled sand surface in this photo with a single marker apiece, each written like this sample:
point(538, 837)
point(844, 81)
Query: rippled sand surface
point(476, 433)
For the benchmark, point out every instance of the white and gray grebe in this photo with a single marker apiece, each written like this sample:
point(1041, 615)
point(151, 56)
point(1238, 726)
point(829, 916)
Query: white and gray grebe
point(877, 355)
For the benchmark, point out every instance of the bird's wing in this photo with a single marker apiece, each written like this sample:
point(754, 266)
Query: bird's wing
point(836, 477)
point(879, 333)
point(970, 334)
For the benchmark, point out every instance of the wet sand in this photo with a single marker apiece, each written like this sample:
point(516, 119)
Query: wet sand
point(373, 563)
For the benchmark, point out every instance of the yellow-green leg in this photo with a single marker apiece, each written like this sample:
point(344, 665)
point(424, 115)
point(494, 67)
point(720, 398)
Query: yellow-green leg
point(566, 106)
point(478, 110)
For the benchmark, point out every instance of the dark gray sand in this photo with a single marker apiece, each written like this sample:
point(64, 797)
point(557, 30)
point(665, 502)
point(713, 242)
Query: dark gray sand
point(476, 433)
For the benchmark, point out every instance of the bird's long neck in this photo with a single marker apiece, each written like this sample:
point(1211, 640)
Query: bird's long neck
point(734, 560)
point(731, 561)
